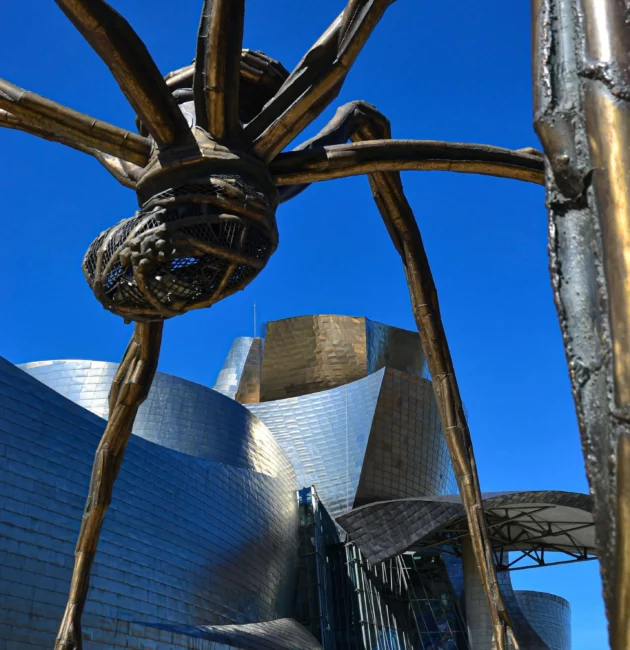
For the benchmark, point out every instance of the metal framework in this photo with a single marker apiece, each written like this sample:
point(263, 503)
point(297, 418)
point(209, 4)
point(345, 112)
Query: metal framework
point(209, 171)
point(517, 531)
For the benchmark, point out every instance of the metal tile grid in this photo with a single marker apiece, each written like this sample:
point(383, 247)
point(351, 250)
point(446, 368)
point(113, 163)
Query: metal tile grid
point(325, 436)
point(185, 540)
point(478, 616)
point(549, 615)
point(309, 354)
point(374, 439)
point(230, 374)
point(394, 348)
point(239, 378)
point(249, 386)
point(178, 414)
point(407, 455)
point(383, 530)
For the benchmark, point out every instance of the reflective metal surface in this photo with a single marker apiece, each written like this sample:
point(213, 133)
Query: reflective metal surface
point(373, 439)
point(406, 454)
point(406, 603)
point(209, 537)
point(549, 615)
point(478, 615)
point(581, 54)
point(308, 354)
point(178, 414)
point(375, 451)
point(325, 436)
point(605, 80)
point(239, 377)
point(282, 634)
point(521, 521)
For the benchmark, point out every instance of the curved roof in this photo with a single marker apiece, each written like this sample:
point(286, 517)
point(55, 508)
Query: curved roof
point(178, 414)
point(529, 522)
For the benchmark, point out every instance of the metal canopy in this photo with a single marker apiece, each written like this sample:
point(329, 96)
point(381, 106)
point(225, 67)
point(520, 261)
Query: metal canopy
point(532, 524)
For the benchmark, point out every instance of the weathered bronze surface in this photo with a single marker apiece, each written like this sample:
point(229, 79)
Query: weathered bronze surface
point(208, 170)
point(130, 388)
point(582, 115)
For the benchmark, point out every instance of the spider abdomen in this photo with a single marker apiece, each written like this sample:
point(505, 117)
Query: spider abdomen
point(205, 229)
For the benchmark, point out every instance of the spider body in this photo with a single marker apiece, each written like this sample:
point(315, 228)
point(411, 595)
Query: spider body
point(205, 229)
point(206, 225)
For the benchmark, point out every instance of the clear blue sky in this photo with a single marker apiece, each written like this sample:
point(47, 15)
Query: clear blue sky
point(451, 70)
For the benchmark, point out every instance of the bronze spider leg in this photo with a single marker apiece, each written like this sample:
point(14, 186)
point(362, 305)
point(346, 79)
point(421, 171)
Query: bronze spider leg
point(129, 389)
point(126, 173)
point(359, 121)
point(316, 80)
point(29, 112)
point(217, 74)
point(126, 56)
point(218, 68)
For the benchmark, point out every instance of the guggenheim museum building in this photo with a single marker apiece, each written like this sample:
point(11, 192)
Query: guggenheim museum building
point(306, 501)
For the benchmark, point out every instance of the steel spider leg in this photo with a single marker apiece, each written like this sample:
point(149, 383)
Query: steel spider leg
point(129, 389)
point(359, 121)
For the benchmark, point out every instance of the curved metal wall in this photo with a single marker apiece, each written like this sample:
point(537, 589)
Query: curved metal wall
point(325, 436)
point(188, 540)
point(549, 615)
point(308, 354)
point(231, 372)
point(373, 439)
point(394, 348)
point(407, 455)
point(239, 377)
point(178, 414)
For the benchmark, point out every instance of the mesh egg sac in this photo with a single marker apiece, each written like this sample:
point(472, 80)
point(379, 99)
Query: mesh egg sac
point(167, 261)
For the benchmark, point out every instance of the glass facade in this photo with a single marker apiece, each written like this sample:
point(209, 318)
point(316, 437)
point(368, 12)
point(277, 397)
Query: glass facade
point(405, 603)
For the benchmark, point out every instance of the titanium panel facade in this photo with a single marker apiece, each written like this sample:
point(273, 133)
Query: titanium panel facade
point(549, 615)
point(187, 540)
point(282, 634)
point(178, 414)
point(239, 378)
point(308, 354)
point(478, 616)
point(406, 455)
point(325, 436)
point(519, 521)
point(395, 348)
point(373, 439)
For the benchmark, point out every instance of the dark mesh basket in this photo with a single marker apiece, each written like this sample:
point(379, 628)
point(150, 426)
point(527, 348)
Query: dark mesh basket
point(167, 261)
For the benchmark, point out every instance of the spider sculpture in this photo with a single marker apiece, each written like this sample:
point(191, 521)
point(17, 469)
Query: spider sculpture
point(209, 171)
